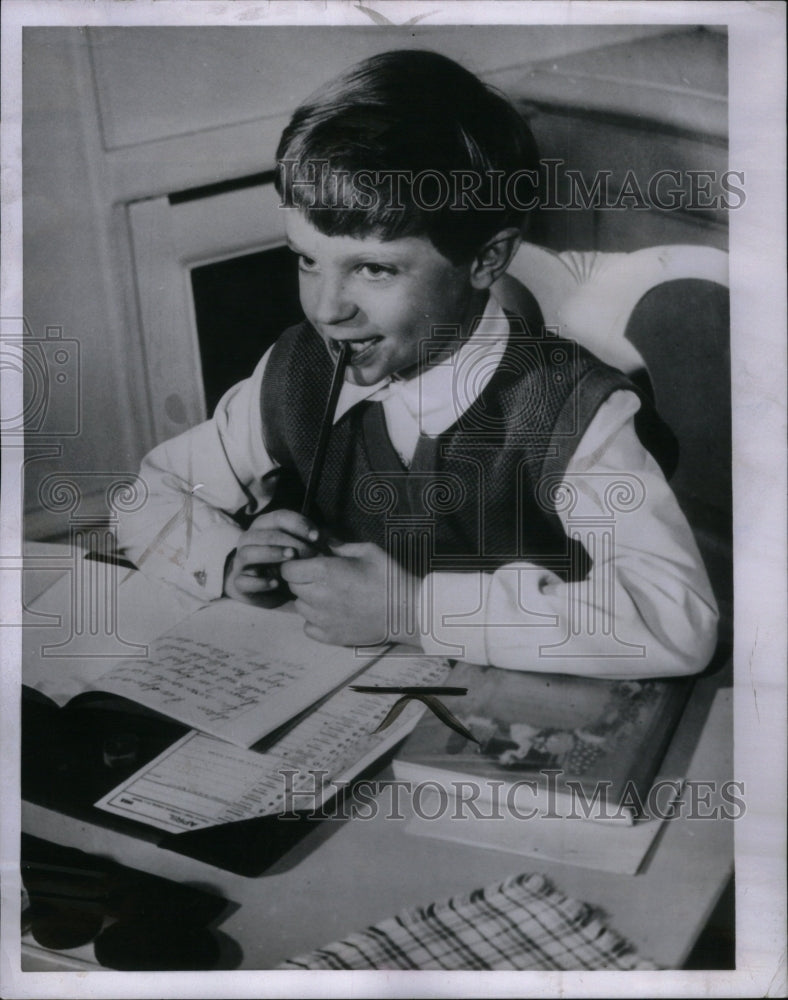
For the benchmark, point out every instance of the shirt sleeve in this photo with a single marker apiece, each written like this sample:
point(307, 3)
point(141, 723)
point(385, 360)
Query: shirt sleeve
point(646, 607)
point(195, 484)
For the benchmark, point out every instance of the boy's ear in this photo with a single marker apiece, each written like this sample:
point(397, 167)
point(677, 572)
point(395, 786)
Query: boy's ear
point(494, 257)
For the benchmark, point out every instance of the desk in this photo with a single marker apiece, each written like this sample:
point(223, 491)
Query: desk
point(347, 874)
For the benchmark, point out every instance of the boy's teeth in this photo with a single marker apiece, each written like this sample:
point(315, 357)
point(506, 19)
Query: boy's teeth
point(359, 345)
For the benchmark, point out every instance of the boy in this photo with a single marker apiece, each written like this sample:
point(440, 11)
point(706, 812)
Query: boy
point(437, 521)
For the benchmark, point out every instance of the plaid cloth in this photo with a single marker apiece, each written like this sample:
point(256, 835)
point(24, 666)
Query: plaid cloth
point(521, 923)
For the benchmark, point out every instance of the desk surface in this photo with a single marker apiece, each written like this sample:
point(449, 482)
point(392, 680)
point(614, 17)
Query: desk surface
point(347, 874)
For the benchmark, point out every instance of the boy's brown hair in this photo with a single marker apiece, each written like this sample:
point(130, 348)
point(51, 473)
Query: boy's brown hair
point(408, 143)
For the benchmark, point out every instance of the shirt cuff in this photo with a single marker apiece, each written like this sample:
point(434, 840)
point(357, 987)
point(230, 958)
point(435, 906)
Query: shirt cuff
point(198, 570)
point(453, 615)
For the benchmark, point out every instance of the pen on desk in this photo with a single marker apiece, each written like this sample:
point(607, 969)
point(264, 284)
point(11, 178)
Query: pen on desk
point(371, 689)
point(318, 459)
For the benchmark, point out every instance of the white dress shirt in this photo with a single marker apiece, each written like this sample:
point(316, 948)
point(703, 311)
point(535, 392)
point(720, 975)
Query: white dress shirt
point(645, 609)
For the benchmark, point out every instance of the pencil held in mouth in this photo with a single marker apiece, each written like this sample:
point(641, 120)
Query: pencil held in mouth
point(327, 423)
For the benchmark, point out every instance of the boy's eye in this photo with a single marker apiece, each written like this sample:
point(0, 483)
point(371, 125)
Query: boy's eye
point(377, 270)
point(306, 263)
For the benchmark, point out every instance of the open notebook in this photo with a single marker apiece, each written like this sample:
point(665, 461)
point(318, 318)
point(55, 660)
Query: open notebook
point(228, 716)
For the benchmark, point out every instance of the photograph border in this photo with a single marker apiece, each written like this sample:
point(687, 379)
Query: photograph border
point(757, 74)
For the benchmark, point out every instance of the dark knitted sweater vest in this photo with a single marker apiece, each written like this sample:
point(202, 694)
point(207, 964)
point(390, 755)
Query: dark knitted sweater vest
point(471, 498)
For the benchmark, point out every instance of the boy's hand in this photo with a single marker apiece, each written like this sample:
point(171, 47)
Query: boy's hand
point(252, 571)
point(358, 596)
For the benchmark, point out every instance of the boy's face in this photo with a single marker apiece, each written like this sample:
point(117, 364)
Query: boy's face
point(384, 297)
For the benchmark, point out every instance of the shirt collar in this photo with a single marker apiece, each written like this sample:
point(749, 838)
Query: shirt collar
point(439, 396)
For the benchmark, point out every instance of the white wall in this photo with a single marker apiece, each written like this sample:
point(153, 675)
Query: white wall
point(161, 82)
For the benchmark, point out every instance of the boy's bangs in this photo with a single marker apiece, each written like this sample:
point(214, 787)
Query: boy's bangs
point(340, 203)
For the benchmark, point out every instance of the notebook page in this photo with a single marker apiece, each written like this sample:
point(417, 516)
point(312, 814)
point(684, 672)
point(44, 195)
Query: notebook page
point(63, 656)
point(200, 781)
point(234, 671)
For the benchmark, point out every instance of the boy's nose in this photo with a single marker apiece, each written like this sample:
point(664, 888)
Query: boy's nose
point(332, 305)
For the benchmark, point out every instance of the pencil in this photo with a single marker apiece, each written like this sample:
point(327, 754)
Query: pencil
point(319, 457)
point(363, 689)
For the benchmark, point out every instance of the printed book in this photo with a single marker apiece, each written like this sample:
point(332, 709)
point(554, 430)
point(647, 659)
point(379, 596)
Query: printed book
point(548, 742)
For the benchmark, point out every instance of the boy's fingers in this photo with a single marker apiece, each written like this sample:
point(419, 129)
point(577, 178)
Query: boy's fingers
point(247, 584)
point(351, 550)
point(290, 521)
point(303, 571)
point(274, 536)
point(248, 556)
point(366, 551)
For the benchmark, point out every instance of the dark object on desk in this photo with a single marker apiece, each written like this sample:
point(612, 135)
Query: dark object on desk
point(66, 903)
point(121, 750)
point(61, 925)
point(157, 944)
point(69, 754)
point(156, 924)
point(65, 768)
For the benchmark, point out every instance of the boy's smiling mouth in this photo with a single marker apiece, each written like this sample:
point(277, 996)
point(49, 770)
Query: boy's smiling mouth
point(360, 348)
